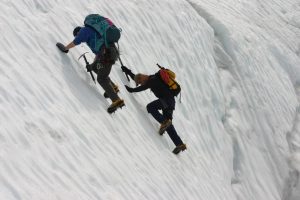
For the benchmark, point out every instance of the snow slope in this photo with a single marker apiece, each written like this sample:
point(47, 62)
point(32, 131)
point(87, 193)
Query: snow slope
point(238, 64)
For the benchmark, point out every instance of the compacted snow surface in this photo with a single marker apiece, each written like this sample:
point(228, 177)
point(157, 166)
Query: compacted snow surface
point(238, 63)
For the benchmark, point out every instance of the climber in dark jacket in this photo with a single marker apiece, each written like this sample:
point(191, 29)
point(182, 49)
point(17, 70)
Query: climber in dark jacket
point(165, 102)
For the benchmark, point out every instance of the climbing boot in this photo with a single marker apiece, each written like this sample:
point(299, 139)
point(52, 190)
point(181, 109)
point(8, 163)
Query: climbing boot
point(179, 148)
point(115, 105)
point(164, 126)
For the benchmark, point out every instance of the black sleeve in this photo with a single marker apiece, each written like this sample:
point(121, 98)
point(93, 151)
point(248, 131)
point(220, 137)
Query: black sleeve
point(140, 88)
point(128, 72)
point(132, 75)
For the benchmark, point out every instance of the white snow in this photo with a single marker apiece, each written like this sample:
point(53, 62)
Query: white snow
point(238, 63)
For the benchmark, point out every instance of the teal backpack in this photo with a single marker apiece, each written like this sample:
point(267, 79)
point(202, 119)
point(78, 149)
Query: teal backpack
point(104, 26)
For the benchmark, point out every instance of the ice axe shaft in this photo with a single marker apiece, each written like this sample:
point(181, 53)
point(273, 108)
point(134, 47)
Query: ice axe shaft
point(87, 63)
point(122, 66)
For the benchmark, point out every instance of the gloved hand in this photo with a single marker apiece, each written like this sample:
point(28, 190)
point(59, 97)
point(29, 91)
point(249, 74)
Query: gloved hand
point(125, 70)
point(62, 47)
point(129, 89)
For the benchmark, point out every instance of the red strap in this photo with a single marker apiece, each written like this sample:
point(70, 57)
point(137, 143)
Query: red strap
point(164, 75)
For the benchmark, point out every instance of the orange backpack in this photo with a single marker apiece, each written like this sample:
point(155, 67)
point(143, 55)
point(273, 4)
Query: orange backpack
point(168, 77)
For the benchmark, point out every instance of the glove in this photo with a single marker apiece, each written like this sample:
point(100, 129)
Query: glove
point(129, 89)
point(62, 47)
point(125, 70)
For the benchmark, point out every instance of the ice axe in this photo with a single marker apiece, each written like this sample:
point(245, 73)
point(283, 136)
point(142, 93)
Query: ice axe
point(87, 63)
point(122, 66)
